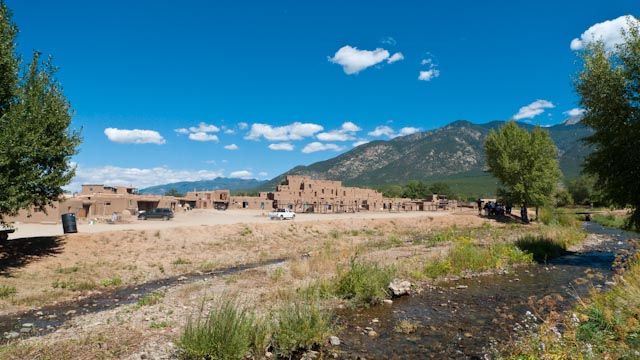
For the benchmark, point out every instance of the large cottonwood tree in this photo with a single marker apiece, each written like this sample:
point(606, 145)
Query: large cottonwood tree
point(36, 143)
point(609, 89)
point(525, 163)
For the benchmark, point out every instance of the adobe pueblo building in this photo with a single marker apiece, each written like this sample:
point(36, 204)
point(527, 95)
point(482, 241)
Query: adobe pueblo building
point(304, 194)
point(299, 193)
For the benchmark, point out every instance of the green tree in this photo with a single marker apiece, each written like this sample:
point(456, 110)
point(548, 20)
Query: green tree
point(609, 89)
point(173, 192)
point(581, 190)
point(525, 163)
point(36, 144)
point(415, 189)
point(441, 188)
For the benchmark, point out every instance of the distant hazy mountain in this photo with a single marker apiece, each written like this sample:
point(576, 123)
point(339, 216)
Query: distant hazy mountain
point(218, 183)
point(453, 153)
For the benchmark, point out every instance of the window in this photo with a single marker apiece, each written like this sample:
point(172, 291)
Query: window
point(107, 204)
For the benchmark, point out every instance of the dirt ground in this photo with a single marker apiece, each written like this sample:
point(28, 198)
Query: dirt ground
point(47, 267)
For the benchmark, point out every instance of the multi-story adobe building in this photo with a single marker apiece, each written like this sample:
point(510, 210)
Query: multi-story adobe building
point(217, 199)
point(100, 201)
point(304, 194)
point(296, 192)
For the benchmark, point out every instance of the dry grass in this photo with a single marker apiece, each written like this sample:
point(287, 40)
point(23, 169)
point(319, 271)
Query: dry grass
point(315, 250)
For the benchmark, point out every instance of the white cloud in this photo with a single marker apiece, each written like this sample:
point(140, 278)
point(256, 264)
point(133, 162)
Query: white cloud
point(428, 75)
point(388, 40)
point(263, 174)
point(281, 146)
point(318, 146)
point(242, 125)
point(204, 127)
point(139, 178)
point(295, 131)
point(609, 32)
point(229, 131)
point(353, 60)
point(349, 126)
point(395, 57)
point(200, 132)
point(203, 136)
point(534, 109)
point(231, 147)
point(408, 131)
point(134, 136)
point(382, 130)
point(346, 132)
point(242, 174)
point(387, 131)
point(574, 112)
point(432, 72)
point(361, 142)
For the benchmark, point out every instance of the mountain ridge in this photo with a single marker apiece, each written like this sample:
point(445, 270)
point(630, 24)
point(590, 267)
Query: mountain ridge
point(453, 151)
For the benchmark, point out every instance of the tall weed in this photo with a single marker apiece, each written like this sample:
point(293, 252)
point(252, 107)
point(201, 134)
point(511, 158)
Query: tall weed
point(364, 283)
point(300, 325)
point(226, 333)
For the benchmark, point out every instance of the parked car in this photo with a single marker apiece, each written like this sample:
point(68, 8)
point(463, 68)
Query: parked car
point(157, 213)
point(282, 214)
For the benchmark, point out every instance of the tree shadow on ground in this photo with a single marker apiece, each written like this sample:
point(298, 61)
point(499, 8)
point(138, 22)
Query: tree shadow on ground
point(18, 253)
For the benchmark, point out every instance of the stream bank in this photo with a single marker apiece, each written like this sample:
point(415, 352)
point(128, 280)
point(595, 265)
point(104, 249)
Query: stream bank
point(465, 318)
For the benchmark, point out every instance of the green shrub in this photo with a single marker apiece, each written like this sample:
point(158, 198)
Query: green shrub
point(549, 216)
point(68, 270)
point(364, 283)
point(73, 285)
point(300, 325)
point(6, 291)
point(465, 256)
point(150, 299)
point(226, 333)
point(116, 281)
point(540, 247)
point(181, 261)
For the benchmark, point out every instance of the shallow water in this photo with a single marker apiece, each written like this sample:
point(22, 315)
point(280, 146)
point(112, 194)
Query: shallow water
point(461, 320)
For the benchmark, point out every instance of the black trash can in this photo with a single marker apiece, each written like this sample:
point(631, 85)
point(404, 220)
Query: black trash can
point(69, 223)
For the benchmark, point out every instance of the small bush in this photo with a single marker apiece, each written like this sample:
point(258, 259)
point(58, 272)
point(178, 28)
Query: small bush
point(68, 270)
point(225, 334)
point(364, 283)
point(300, 325)
point(181, 261)
point(6, 291)
point(550, 216)
point(73, 285)
point(465, 256)
point(540, 247)
point(160, 325)
point(116, 281)
point(278, 273)
point(150, 299)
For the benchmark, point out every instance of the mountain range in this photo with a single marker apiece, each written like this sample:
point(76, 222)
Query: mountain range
point(453, 154)
point(218, 183)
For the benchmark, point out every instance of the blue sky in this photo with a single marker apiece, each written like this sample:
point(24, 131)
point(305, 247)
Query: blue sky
point(169, 91)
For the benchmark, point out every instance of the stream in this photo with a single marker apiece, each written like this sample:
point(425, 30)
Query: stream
point(458, 320)
point(463, 318)
point(48, 318)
